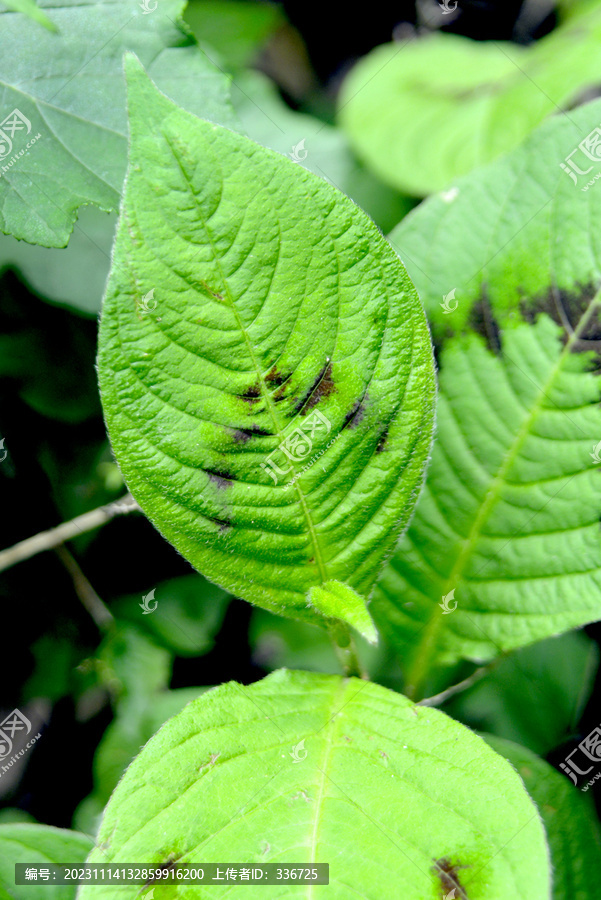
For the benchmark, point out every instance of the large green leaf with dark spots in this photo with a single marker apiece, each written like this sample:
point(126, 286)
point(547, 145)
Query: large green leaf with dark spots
point(509, 518)
point(63, 120)
point(423, 112)
point(400, 800)
point(570, 821)
point(265, 367)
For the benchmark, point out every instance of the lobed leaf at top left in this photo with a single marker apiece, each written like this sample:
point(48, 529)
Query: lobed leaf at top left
point(63, 120)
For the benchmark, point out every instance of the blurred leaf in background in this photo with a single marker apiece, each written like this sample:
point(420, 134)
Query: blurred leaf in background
point(188, 614)
point(535, 696)
point(73, 276)
point(424, 112)
point(237, 30)
point(25, 843)
point(570, 821)
point(509, 516)
point(81, 154)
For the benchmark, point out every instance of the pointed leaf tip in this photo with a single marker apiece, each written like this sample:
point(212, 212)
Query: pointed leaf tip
point(339, 601)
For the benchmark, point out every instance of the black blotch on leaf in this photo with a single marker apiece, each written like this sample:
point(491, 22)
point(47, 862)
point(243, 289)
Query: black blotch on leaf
point(221, 479)
point(382, 442)
point(162, 867)
point(355, 414)
point(483, 322)
point(275, 378)
point(251, 394)
point(224, 524)
point(567, 308)
point(447, 874)
point(322, 386)
point(245, 434)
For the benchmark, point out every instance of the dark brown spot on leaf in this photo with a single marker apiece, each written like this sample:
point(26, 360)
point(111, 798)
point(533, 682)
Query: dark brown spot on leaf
point(212, 291)
point(251, 393)
point(483, 322)
point(224, 524)
point(567, 309)
point(275, 378)
point(354, 415)
point(382, 441)
point(162, 867)
point(322, 386)
point(245, 434)
point(447, 874)
point(221, 479)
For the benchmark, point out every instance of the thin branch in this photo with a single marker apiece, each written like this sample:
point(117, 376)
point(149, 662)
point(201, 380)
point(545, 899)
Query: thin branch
point(47, 540)
point(437, 699)
point(92, 603)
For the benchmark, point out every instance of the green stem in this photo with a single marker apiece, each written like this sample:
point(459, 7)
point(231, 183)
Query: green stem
point(346, 651)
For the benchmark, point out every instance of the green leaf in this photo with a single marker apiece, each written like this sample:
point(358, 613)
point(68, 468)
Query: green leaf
point(338, 601)
point(188, 614)
point(570, 821)
point(422, 113)
point(38, 844)
point(509, 517)
point(59, 85)
point(281, 315)
point(535, 696)
point(283, 643)
point(30, 9)
point(75, 275)
point(132, 666)
point(235, 28)
point(388, 793)
point(121, 742)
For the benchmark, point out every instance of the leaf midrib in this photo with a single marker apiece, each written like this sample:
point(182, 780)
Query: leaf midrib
point(258, 370)
point(435, 622)
point(340, 689)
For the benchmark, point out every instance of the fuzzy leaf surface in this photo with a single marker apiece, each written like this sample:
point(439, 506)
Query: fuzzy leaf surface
point(252, 307)
point(395, 797)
